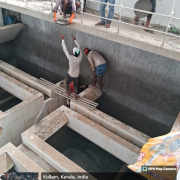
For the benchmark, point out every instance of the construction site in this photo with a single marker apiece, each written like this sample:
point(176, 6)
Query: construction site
point(112, 130)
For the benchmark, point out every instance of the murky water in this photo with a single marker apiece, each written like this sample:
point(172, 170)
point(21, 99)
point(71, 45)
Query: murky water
point(9, 104)
point(83, 152)
point(132, 118)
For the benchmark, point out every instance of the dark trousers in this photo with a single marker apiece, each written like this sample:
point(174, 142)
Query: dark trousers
point(153, 2)
point(75, 83)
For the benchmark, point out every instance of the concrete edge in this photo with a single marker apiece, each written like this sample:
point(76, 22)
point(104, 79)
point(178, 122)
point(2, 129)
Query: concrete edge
point(121, 129)
point(22, 162)
point(44, 150)
point(112, 141)
point(160, 50)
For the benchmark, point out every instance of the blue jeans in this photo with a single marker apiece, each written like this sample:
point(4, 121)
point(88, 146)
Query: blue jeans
point(102, 11)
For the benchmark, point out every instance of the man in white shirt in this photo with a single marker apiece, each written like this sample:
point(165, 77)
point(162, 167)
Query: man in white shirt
point(98, 66)
point(74, 66)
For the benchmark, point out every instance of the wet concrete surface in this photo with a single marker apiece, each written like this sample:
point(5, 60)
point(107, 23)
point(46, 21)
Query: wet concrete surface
point(130, 117)
point(84, 153)
point(37, 71)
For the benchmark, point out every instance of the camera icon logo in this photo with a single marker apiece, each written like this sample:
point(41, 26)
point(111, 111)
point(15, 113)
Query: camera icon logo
point(144, 169)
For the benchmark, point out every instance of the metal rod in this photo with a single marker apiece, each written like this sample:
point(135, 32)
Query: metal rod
point(46, 81)
point(104, 3)
point(120, 11)
point(126, 23)
point(131, 8)
point(51, 8)
point(26, 3)
point(82, 5)
point(171, 14)
point(83, 99)
point(72, 99)
point(44, 84)
point(59, 90)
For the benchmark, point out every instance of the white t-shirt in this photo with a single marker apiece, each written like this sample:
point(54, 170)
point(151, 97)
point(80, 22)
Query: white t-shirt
point(74, 62)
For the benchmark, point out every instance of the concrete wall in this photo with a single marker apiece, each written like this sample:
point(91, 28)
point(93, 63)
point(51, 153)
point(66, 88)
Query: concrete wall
point(22, 116)
point(142, 88)
point(162, 7)
point(7, 51)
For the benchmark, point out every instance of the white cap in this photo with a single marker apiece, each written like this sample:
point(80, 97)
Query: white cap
point(76, 51)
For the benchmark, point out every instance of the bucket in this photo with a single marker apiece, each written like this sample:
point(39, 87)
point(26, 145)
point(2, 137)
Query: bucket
point(144, 5)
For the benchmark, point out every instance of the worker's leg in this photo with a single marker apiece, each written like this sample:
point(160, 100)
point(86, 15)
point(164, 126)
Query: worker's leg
point(100, 81)
point(77, 5)
point(65, 3)
point(94, 80)
point(148, 22)
point(68, 80)
point(76, 82)
point(102, 12)
point(111, 13)
point(100, 72)
point(153, 2)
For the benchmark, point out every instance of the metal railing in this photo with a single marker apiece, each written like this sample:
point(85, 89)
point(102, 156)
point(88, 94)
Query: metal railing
point(121, 7)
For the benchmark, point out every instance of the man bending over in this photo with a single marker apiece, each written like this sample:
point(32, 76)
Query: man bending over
point(98, 66)
point(74, 66)
point(68, 7)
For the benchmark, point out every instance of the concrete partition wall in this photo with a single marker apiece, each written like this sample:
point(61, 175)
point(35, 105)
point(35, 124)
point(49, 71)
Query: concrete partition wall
point(121, 129)
point(8, 33)
point(22, 116)
point(21, 161)
point(115, 145)
point(142, 85)
point(31, 81)
point(35, 136)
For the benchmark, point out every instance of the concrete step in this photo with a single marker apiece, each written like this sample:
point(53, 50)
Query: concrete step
point(37, 159)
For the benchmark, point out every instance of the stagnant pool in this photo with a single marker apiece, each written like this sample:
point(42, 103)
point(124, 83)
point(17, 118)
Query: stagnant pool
point(86, 154)
point(7, 100)
point(130, 117)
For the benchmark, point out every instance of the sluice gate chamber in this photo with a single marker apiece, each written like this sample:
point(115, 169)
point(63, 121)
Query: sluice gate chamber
point(130, 117)
point(88, 155)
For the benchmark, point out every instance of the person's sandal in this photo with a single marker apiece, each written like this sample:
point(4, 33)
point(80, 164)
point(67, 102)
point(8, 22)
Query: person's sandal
point(136, 20)
point(107, 25)
point(99, 24)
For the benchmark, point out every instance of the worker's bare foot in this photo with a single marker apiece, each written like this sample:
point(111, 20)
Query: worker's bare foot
point(100, 24)
point(98, 85)
point(76, 97)
point(66, 94)
point(108, 25)
point(92, 86)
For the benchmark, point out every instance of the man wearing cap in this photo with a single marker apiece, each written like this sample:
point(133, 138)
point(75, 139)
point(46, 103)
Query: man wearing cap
point(98, 65)
point(74, 66)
